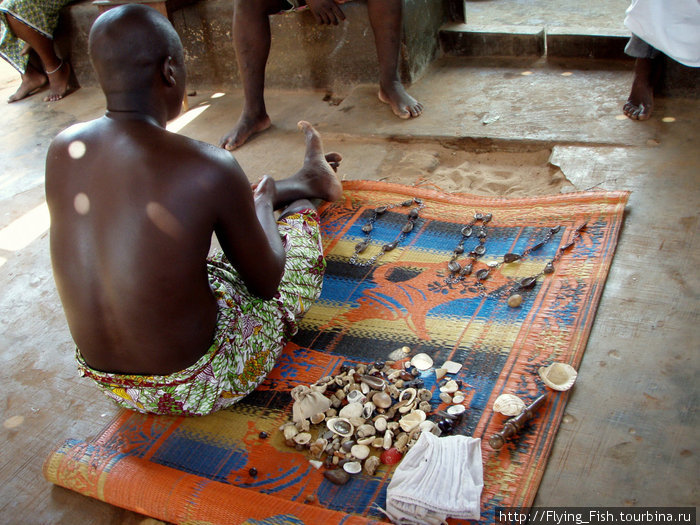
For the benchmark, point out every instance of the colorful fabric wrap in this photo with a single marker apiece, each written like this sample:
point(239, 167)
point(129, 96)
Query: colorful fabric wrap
point(250, 333)
point(40, 15)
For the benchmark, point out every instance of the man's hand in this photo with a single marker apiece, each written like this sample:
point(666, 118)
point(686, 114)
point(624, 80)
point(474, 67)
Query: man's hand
point(326, 11)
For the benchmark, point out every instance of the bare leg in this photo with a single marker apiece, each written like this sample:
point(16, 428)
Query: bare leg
point(385, 16)
point(251, 40)
point(640, 103)
point(57, 71)
point(315, 180)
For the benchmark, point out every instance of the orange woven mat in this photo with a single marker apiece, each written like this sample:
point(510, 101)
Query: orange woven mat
point(197, 470)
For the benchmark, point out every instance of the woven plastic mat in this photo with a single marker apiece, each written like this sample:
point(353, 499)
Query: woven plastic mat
point(197, 470)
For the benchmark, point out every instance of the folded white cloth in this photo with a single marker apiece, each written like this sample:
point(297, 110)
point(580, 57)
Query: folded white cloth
point(671, 26)
point(438, 478)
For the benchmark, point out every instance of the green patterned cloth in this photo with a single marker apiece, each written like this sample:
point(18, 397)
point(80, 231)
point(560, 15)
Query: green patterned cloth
point(40, 15)
point(250, 334)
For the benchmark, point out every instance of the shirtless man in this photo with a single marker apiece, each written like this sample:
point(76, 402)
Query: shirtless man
point(251, 40)
point(158, 326)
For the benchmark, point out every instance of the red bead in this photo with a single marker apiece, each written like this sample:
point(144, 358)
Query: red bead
point(391, 456)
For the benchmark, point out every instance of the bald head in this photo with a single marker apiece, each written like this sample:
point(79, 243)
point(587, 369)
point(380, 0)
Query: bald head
point(128, 45)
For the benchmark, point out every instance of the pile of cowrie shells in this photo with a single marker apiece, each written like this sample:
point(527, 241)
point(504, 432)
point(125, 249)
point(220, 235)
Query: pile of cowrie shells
point(377, 413)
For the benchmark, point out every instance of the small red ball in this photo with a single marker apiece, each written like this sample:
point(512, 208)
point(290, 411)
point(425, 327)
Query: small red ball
point(390, 457)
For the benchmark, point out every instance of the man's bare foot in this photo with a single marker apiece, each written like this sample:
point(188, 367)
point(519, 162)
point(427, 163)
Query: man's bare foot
point(32, 81)
point(318, 171)
point(245, 128)
point(402, 104)
point(640, 103)
point(60, 82)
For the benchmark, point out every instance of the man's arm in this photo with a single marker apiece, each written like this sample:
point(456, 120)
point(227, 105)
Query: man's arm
point(247, 230)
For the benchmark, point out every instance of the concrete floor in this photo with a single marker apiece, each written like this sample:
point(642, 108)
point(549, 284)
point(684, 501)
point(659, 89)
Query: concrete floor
point(629, 434)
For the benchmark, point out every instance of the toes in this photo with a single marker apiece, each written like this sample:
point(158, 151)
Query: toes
point(313, 139)
point(403, 114)
point(333, 157)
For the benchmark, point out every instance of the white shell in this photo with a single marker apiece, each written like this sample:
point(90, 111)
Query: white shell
point(558, 376)
point(368, 410)
point(351, 410)
point(380, 424)
point(360, 451)
point(382, 400)
point(316, 463)
point(355, 396)
point(440, 373)
point(422, 361)
point(412, 420)
point(352, 467)
point(408, 395)
point(302, 438)
point(290, 430)
point(388, 440)
point(456, 409)
point(449, 387)
point(508, 405)
point(452, 367)
point(458, 397)
point(340, 426)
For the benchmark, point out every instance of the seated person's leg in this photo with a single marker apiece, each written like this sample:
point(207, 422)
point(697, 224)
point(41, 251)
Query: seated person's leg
point(251, 41)
point(385, 16)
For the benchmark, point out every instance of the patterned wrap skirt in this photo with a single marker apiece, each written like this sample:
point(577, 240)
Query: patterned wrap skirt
point(250, 333)
point(40, 15)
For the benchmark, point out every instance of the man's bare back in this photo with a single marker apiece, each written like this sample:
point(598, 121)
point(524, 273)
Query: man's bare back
point(133, 208)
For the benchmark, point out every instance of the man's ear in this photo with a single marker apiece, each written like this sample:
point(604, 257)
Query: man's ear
point(168, 71)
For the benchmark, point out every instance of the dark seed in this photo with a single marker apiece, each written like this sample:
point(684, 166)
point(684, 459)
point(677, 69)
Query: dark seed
point(310, 498)
point(407, 203)
point(253, 471)
point(537, 246)
point(263, 435)
point(390, 246)
point(446, 425)
point(555, 229)
point(380, 209)
point(566, 246)
point(549, 268)
point(459, 250)
point(337, 476)
point(466, 270)
point(360, 247)
point(406, 228)
point(483, 273)
point(454, 266)
point(480, 250)
point(481, 233)
point(418, 201)
point(510, 257)
point(367, 228)
point(528, 282)
point(413, 214)
point(487, 218)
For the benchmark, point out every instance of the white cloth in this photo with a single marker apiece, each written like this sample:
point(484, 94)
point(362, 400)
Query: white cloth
point(438, 478)
point(671, 26)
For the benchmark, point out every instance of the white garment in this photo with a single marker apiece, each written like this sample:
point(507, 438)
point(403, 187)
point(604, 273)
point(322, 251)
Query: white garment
point(671, 26)
point(438, 478)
